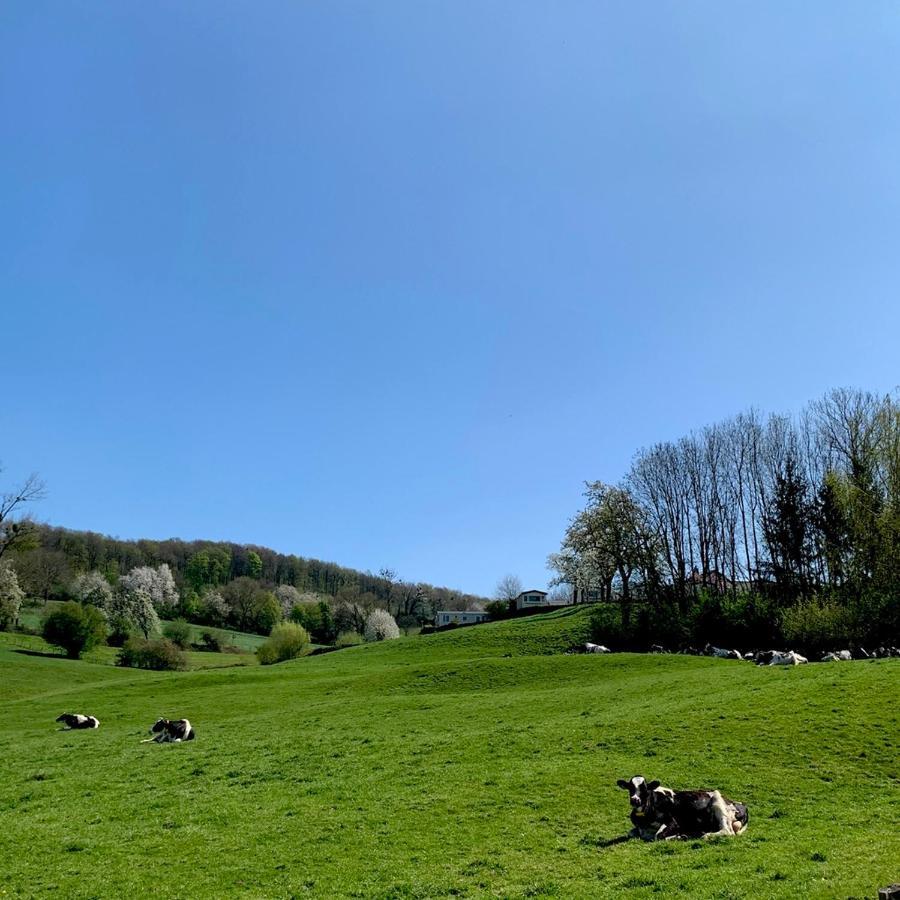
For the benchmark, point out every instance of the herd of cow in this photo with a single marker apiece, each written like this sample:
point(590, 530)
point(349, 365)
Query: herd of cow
point(164, 731)
point(761, 657)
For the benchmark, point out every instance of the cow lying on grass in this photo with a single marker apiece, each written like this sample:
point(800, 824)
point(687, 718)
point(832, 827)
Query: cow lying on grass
point(76, 720)
point(659, 813)
point(168, 731)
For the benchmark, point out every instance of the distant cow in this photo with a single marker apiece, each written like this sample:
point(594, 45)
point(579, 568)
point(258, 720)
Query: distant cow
point(709, 650)
point(168, 731)
point(838, 656)
point(659, 813)
point(74, 721)
point(596, 648)
point(786, 659)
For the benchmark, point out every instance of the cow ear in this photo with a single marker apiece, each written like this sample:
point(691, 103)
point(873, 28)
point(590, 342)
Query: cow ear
point(622, 783)
point(653, 785)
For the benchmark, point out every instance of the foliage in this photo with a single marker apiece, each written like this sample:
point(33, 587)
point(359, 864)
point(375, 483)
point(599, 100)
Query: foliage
point(18, 532)
point(380, 626)
point(348, 639)
point(11, 597)
point(133, 601)
point(93, 588)
point(74, 627)
point(287, 641)
point(160, 655)
point(498, 609)
point(288, 597)
point(179, 633)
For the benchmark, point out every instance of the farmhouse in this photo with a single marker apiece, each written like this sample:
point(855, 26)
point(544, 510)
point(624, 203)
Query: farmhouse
point(460, 617)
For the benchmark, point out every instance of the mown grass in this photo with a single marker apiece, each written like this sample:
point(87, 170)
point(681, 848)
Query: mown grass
point(480, 762)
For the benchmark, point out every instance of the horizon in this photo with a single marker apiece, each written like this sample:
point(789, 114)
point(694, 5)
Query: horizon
point(384, 286)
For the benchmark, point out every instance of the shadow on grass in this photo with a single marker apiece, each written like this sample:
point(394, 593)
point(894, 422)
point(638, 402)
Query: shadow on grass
point(38, 653)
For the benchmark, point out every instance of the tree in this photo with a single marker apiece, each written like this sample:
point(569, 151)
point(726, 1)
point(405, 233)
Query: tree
point(288, 597)
point(11, 597)
point(254, 564)
point(133, 601)
point(18, 533)
point(157, 584)
point(75, 628)
point(380, 626)
point(214, 608)
point(93, 588)
point(610, 540)
point(42, 572)
point(508, 588)
point(266, 612)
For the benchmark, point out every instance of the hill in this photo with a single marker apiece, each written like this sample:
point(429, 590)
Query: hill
point(480, 762)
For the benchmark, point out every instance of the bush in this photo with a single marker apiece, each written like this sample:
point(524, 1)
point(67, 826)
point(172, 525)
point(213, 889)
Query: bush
point(75, 628)
point(380, 626)
point(119, 630)
point(209, 643)
point(287, 641)
point(818, 625)
point(498, 609)
point(11, 597)
point(160, 655)
point(179, 633)
point(348, 639)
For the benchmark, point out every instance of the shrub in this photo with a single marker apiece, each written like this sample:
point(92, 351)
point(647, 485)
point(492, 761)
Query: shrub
point(160, 655)
point(179, 633)
point(817, 625)
point(75, 628)
point(209, 643)
point(119, 630)
point(11, 597)
point(497, 609)
point(348, 639)
point(287, 641)
point(380, 626)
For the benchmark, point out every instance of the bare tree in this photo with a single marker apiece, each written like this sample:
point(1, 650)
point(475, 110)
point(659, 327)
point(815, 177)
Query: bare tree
point(17, 531)
point(508, 588)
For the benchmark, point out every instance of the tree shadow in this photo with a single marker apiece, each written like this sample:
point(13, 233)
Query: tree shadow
point(43, 653)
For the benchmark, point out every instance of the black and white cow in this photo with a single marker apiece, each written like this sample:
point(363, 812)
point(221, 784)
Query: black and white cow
point(659, 813)
point(76, 721)
point(169, 731)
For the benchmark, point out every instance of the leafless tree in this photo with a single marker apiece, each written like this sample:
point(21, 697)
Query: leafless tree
point(16, 530)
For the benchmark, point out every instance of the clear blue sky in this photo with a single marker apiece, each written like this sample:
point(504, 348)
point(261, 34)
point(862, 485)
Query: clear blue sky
point(385, 282)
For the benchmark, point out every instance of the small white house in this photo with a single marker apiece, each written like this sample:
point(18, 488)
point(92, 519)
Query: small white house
point(460, 617)
point(534, 599)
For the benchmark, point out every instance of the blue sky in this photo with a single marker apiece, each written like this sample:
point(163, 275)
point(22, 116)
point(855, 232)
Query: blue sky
point(385, 282)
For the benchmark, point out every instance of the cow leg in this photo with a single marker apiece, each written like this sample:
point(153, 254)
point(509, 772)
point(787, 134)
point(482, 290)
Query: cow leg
point(722, 818)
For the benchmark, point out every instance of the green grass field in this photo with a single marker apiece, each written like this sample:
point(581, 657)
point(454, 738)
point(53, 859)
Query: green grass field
point(474, 763)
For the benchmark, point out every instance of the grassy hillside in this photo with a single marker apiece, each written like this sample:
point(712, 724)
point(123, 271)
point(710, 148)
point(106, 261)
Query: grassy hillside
point(479, 762)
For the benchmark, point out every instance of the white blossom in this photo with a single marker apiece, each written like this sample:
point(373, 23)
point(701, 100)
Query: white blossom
point(380, 626)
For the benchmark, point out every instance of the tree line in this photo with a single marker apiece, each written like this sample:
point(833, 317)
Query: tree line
point(756, 528)
point(247, 587)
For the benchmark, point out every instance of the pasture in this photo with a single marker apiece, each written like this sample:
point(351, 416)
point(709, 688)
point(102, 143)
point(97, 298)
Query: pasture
point(475, 763)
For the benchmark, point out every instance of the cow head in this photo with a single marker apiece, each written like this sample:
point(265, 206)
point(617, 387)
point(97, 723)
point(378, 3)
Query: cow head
point(158, 726)
point(639, 791)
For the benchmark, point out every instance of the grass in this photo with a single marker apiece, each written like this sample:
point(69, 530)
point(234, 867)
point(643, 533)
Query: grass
point(475, 763)
point(31, 617)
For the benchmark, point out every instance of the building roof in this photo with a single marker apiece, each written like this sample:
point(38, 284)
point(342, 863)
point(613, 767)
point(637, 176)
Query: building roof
point(534, 591)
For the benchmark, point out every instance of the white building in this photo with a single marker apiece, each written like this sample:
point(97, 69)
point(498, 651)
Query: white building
point(460, 617)
point(535, 599)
